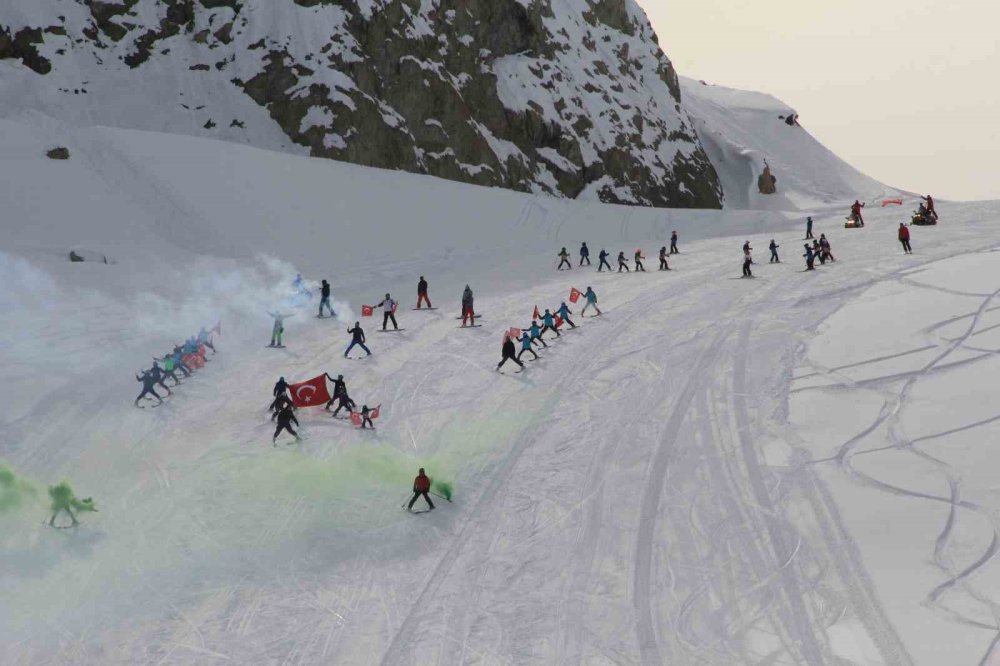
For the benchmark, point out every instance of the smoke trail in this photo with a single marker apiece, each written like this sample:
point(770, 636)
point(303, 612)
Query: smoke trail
point(15, 491)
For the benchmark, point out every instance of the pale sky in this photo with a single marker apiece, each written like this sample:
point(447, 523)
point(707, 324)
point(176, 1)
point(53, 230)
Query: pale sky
point(907, 91)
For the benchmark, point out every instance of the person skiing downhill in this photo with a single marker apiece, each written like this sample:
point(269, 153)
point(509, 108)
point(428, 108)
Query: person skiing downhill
point(280, 402)
point(856, 212)
point(591, 300)
point(584, 254)
point(549, 324)
point(508, 353)
point(344, 402)
point(623, 263)
point(357, 338)
point(773, 247)
point(818, 251)
point(169, 367)
point(603, 256)
point(673, 243)
point(325, 299)
point(280, 387)
point(421, 488)
point(536, 333)
point(747, 260)
point(824, 246)
point(339, 387)
point(638, 261)
point(564, 312)
point(285, 418)
point(422, 293)
point(64, 499)
point(526, 342)
point(904, 238)
point(148, 384)
point(365, 418)
point(810, 257)
point(564, 259)
point(158, 377)
point(279, 328)
point(388, 312)
point(930, 206)
point(204, 338)
point(663, 259)
point(468, 312)
point(178, 356)
point(809, 228)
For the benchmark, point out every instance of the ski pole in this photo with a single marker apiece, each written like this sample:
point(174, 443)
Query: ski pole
point(441, 496)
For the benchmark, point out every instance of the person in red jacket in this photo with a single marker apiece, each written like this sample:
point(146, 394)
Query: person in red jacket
point(904, 238)
point(856, 212)
point(421, 486)
point(930, 206)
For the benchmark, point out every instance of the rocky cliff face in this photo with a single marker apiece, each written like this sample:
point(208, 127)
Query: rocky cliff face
point(568, 97)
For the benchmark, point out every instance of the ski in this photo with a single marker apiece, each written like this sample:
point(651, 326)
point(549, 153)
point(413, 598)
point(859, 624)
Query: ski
point(390, 330)
point(478, 316)
point(62, 527)
point(422, 309)
point(472, 326)
point(274, 346)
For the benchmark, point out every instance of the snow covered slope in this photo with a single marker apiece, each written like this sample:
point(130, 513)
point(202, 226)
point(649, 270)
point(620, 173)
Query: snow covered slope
point(568, 97)
point(715, 471)
point(743, 130)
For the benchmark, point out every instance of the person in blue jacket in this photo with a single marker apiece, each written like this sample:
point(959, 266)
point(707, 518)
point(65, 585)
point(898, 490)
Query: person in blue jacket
point(565, 312)
point(549, 324)
point(810, 257)
point(773, 247)
point(591, 300)
point(603, 256)
point(536, 332)
point(584, 254)
point(526, 341)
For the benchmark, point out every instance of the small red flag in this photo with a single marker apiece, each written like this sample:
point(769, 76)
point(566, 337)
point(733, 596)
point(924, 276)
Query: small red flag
point(194, 361)
point(574, 295)
point(356, 418)
point(535, 314)
point(373, 414)
point(514, 333)
point(559, 321)
point(367, 310)
point(310, 393)
point(217, 328)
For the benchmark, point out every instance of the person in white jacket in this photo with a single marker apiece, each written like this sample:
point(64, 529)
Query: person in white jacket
point(388, 312)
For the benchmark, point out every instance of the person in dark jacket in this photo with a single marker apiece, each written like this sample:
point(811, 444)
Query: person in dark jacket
point(603, 256)
point(564, 259)
point(930, 206)
point(824, 246)
point(366, 420)
point(663, 259)
point(747, 260)
point(422, 293)
point(810, 257)
point(508, 353)
point(904, 238)
point(357, 338)
point(818, 252)
point(339, 388)
point(673, 243)
point(468, 311)
point(809, 228)
point(280, 387)
point(638, 261)
point(344, 402)
point(856, 212)
point(584, 254)
point(421, 488)
point(148, 384)
point(773, 247)
point(279, 403)
point(325, 299)
point(623, 263)
point(286, 417)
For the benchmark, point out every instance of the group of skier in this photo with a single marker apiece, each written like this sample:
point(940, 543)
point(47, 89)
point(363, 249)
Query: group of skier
point(185, 357)
point(638, 258)
point(541, 324)
point(283, 408)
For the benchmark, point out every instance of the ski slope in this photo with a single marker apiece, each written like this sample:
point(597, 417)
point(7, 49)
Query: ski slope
point(786, 470)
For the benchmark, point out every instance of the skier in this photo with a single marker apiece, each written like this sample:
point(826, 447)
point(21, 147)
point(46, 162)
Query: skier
point(809, 228)
point(638, 261)
point(663, 259)
point(169, 368)
point(365, 418)
point(358, 338)
point(178, 356)
point(904, 238)
point(564, 312)
point(773, 247)
point(549, 324)
point(339, 387)
point(584, 254)
point(526, 341)
point(388, 312)
point(148, 384)
point(603, 256)
point(622, 263)
point(564, 259)
point(286, 417)
point(421, 487)
point(591, 300)
point(747, 260)
point(824, 246)
point(63, 499)
point(344, 402)
point(818, 251)
point(673, 243)
point(280, 402)
point(206, 339)
point(279, 328)
point(507, 352)
point(810, 257)
point(157, 376)
point(930, 206)
point(280, 387)
point(856, 212)
point(422, 293)
point(325, 299)
point(536, 332)
point(468, 313)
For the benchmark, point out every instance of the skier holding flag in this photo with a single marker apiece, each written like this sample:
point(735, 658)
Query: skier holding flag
point(564, 312)
point(536, 332)
point(591, 300)
point(388, 312)
point(508, 353)
point(525, 341)
point(549, 324)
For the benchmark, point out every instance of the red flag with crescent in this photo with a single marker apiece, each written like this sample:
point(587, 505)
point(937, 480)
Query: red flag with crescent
point(367, 310)
point(574, 295)
point(310, 393)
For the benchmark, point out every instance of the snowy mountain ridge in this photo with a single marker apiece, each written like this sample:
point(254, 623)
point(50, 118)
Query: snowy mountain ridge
point(566, 97)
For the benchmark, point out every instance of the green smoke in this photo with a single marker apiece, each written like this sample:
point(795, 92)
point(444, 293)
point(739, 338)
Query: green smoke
point(443, 488)
point(15, 491)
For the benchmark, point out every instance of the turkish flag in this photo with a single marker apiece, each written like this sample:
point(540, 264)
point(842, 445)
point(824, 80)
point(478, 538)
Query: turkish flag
point(217, 328)
point(535, 314)
point(367, 310)
point(559, 321)
point(310, 393)
point(373, 414)
point(574, 295)
point(356, 418)
point(514, 333)
point(194, 361)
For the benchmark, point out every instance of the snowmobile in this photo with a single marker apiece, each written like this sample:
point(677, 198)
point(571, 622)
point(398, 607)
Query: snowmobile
point(923, 218)
point(853, 222)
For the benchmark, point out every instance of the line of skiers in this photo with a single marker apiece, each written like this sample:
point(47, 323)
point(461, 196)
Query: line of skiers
point(564, 263)
point(184, 358)
point(540, 325)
